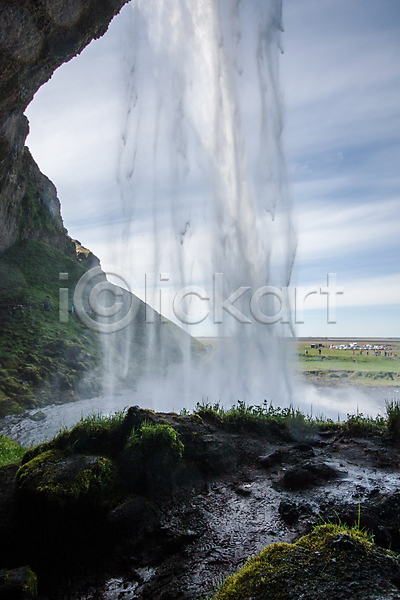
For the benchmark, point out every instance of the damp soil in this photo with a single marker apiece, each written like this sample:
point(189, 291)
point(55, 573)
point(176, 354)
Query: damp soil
point(232, 495)
point(275, 491)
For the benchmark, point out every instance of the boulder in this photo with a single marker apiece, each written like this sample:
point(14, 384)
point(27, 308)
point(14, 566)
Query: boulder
point(306, 475)
point(330, 562)
point(18, 584)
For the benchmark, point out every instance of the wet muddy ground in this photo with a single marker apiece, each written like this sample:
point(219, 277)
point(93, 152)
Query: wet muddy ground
point(207, 532)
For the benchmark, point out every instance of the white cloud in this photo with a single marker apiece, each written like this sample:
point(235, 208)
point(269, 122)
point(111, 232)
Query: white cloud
point(340, 76)
point(381, 291)
point(330, 230)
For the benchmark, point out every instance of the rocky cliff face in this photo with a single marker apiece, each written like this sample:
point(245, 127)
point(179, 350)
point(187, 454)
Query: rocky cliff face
point(36, 37)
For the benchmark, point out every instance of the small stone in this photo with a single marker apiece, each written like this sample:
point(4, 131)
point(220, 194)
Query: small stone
point(38, 416)
point(243, 490)
point(271, 460)
point(289, 512)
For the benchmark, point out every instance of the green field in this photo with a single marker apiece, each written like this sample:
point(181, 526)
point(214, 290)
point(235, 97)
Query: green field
point(336, 367)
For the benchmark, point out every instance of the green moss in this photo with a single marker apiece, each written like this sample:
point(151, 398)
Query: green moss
point(155, 437)
point(30, 586)
point(95, 434)
point(33, 214)
point(10, 451)
point(61, 479)
point(18, 583)
point(329, 556)
point(33, 466)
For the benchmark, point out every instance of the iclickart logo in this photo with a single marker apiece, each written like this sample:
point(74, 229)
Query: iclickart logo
point(123, 302)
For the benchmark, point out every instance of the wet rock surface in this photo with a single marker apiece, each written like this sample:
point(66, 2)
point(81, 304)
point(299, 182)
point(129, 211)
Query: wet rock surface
point(223, 504)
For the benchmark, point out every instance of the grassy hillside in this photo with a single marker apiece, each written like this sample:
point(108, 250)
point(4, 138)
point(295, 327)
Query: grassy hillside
point(39, 355)
point(43, 360)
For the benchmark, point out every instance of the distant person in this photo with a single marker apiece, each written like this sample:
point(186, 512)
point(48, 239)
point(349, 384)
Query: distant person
point(46, 304)
point(306, 351)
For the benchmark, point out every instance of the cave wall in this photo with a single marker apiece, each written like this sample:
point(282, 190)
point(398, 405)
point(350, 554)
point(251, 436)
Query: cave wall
point(36, 37)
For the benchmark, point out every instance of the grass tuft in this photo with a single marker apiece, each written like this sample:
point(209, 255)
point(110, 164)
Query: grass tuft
point(94, 434)
point(292, 422)
point(155, 437)
point(393, 417)
point(10, 451)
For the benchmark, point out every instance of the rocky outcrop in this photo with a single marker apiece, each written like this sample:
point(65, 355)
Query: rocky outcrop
point(29, 206)
point(35, 39)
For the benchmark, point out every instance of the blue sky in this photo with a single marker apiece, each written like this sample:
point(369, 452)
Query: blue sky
point(340, 77)
point(341, 80)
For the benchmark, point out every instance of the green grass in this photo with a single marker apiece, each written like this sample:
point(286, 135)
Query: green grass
point(264, 418)
point(376, 368)
point(355, 528)
point(290, 421)
point(94, 434)
point(10, 451)
point(154, 437)
point(393, 417)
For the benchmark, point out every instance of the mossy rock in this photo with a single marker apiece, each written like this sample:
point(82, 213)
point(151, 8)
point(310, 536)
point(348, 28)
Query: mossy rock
point(18, 584)
point(332, 562)
point(96, 434)
point(57, 480)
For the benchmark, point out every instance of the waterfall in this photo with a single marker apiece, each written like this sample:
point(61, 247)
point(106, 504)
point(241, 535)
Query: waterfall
point(203, 191)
